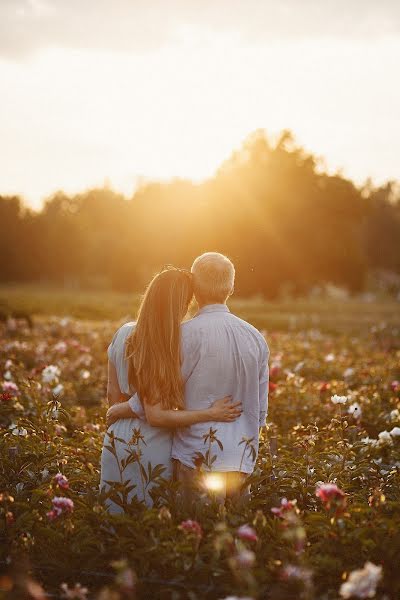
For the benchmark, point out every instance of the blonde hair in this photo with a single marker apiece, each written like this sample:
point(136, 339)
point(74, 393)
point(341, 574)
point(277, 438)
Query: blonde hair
point(153, 348)
point(213, 277)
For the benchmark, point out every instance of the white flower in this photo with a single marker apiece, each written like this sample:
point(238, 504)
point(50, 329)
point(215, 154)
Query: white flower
point(58, 390)
point(348, 373)
point(384, 438)
point(339, 399)
point(20, 431)
point(395, 415)
point(7, 375)
point(329, 357)
point(370, 441)
point(50, 374)
point(355, 410)
point(395, 432)
point(85, 374)
point(362, 582)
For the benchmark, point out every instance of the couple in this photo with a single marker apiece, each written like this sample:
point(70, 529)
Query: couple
point(173, 380)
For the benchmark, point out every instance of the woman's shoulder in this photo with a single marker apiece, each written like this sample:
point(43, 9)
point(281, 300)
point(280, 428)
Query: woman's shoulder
point(125, 329)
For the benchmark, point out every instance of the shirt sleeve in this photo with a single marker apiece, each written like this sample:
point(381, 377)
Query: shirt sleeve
point(137, 407)
point(263, 385)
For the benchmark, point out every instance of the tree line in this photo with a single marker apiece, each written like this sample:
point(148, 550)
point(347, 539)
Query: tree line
point(283, 220)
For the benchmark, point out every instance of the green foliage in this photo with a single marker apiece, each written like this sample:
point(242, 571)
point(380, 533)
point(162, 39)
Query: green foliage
point(285, 223)
point(304, 554)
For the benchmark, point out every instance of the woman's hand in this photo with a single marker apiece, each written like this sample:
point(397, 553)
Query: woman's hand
point(225, 410)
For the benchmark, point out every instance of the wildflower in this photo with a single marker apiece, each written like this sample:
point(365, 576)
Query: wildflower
point(384, 438)
point(60, 429)
point(286, 506)
point(339, 399)
point(324, 387)
point(60, 505)
point(5, 396)
point(74, 593)
point(21, 431)
point(10, 387)
point(60, 347)
point(330, 494)
point(58, 390)
point(348, 373)
point(329, 357)
point(245, 532)
point(192, 527)
point(61, 481)
point(395, 415)
point(274, 371)
point(244, 559)
point(355, 410)
point(395, 385)
point(272, 386)
point(8, 364)
point(296, 572)
point(50, 374)
point(362, 583)
point(395, 432)
point(85, 374)
point(7, 375)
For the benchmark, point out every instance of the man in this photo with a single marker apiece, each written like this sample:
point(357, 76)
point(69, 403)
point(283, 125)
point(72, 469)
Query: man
point(222, 355)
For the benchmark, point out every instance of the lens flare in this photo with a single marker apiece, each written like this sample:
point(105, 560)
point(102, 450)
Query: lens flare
point(214, 482)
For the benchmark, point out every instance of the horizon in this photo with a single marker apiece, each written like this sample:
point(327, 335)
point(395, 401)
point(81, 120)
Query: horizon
point(128, 93)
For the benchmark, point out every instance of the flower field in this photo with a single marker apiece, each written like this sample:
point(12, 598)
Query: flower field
point(323, 521)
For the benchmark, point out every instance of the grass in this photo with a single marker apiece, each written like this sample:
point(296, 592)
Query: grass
point(328, 315)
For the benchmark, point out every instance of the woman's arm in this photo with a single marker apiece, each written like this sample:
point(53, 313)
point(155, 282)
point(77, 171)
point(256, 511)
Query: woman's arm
point(222, 410)
point(113, 391)
point(119, 407)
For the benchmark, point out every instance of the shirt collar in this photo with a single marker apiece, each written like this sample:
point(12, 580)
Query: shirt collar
point(211, 308)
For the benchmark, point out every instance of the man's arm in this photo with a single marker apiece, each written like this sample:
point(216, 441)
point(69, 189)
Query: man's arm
point(263, 385)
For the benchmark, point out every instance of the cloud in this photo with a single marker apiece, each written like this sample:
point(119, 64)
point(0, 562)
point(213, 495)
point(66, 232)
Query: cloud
point(27, 26)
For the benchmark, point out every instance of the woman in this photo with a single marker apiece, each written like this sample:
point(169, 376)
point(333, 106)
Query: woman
point(144, 357)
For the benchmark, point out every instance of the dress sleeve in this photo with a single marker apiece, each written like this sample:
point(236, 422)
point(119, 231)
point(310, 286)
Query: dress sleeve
point(111, 348)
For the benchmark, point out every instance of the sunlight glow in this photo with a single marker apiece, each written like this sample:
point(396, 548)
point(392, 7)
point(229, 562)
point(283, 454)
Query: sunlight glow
point(181, 110)
point(214, 482)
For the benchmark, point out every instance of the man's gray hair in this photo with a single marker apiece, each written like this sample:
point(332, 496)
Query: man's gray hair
point(213, 277)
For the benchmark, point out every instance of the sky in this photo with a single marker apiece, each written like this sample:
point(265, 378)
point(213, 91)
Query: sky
point(120, 91)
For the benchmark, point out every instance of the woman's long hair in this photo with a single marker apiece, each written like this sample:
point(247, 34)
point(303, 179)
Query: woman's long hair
point(153, 348)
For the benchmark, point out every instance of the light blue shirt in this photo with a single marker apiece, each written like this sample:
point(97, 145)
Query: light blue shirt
point(222, 356)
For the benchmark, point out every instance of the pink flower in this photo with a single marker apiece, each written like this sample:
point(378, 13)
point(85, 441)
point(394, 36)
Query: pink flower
point(193, 527)
point(285, 507)
point(60, 505)
point(324, 387)
point(245, 532)
point(61, 481)
point(10, 387)
point(245, 559)
point(330, 494)
point(274, 371)
point(395, 385)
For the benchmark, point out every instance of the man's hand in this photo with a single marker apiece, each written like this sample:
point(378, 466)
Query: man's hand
point(120, 410)
point(113, 413)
